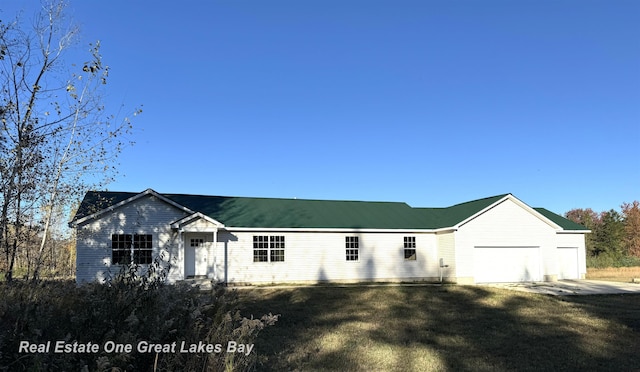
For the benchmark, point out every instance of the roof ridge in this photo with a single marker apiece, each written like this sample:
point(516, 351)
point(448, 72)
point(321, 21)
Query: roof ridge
point(281, 198)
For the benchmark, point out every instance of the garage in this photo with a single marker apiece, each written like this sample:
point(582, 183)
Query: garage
point(568, 263)
point(507, 264)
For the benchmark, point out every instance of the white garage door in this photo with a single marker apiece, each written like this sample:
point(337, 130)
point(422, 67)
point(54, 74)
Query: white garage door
point(507, 264)
point(568, 263)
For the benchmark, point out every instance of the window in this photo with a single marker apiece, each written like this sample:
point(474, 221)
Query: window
point(352, 247)
point(268, 248)
point(277, 248)
point(410, 248)
point(142, 248)
point(121, 249)
point(127, 248)
point(260, 248)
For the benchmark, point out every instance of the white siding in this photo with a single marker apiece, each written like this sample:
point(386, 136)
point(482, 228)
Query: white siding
point(320, 256)
point(447, 251)
point(505, 225)
point(147, 215)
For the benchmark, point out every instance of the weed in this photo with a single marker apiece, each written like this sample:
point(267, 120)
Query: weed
point(133, 306)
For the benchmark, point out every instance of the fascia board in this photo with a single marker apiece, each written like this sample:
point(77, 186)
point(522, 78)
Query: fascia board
point(339, 230)
point(574, 231)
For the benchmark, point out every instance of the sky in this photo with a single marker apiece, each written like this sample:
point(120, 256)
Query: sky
point(431, 103)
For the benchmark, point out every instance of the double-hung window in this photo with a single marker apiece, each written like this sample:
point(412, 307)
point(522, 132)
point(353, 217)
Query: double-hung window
point(121, 248)
point(268, 248)
point(410, 248)
point(142, 248)
point(352, 245)
point(276, 245)
point(131, 248)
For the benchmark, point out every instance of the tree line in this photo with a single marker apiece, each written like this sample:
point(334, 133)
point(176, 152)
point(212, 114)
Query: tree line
point(615, 236)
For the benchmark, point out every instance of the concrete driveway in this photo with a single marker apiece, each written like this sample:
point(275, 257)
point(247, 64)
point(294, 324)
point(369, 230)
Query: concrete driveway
point(572, 287)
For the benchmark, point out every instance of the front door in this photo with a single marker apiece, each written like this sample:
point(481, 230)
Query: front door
point(195, 256)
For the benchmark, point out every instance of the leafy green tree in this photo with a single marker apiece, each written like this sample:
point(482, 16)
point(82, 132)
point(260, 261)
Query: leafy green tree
point(609, 237)
point(589, 219)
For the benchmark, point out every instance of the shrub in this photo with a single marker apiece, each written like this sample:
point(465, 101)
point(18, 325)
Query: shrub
point(126, 310)
point(605, 260)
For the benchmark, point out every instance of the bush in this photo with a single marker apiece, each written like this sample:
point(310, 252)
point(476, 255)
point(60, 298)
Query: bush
point(605, 260)
point(129, 309)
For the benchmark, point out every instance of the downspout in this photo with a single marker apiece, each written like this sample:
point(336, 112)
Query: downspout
point(442, 265)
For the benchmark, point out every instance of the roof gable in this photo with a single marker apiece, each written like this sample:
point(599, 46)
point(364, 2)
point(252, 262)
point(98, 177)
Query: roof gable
point(196, 218)
point(520, 203)
point(96, 203)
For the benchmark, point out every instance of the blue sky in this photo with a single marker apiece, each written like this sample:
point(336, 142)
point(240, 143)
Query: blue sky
point(427, 102)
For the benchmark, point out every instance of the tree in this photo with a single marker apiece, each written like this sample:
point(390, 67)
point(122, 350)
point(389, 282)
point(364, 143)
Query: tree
point(609, 237)
point(55, 135)
point(589, 219)
point(631, 212)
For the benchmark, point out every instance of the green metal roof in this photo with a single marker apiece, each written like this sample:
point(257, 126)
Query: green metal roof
point(453, 215)
point(304, 213)
point(565, 223)
point(299, 213)
point(95, 201)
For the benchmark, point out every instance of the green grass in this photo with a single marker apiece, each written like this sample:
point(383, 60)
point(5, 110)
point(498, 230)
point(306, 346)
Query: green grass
point(449, 328)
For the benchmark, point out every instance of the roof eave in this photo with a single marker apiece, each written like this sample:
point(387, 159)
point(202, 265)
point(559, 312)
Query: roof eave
point(338, 229)
point(562, 231)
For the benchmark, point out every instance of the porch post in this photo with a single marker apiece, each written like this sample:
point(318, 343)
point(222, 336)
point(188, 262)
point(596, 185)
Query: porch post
point(215, 254)
point(181, 252)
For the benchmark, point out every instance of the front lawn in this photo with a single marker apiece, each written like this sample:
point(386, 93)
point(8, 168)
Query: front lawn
point(448, 328)
point(321, 328)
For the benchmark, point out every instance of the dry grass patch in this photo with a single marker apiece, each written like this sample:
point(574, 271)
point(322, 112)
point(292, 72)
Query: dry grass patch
point(618, 274)
point(124, 313)
point(433, 328)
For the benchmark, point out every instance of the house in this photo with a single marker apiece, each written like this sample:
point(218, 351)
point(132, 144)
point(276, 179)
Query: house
point(241, 240)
